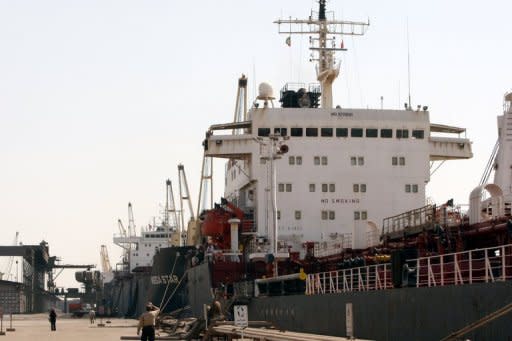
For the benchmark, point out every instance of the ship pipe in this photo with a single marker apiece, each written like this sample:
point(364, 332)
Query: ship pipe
point(486, 229)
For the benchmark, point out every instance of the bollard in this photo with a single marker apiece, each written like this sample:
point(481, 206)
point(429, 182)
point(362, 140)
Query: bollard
point(10, 329)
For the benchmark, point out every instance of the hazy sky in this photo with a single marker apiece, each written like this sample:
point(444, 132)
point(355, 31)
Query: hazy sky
point(100, 100)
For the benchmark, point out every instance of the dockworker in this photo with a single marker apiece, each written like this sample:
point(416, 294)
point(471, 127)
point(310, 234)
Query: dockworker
point(92, 316)
point(147, 323)
point(52, 317)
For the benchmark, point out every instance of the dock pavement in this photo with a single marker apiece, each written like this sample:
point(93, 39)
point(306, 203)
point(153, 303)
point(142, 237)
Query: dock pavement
point(36, 327)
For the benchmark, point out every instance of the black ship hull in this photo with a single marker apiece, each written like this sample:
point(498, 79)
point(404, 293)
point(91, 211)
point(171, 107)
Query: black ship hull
point(420, 314)
point(165, 285)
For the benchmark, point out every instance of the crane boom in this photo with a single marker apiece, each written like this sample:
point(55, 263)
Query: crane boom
point(122, 230)
point(184, 196)
point(131, 221)
point(105, 260)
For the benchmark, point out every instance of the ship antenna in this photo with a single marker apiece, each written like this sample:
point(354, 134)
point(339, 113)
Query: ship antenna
point(323, 31)
point(408, 65)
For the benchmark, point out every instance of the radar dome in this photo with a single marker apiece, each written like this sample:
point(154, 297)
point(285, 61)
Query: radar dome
point(265, 91)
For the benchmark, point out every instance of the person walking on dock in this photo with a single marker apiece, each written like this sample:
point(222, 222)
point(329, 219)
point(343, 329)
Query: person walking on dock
point(52, 317)
point(92, 316)
point(147, 323)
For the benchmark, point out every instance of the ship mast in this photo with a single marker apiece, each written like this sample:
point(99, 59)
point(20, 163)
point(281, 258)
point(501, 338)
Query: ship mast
point(322, 37)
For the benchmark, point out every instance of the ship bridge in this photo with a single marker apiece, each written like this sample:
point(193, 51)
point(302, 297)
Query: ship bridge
point(448, 147)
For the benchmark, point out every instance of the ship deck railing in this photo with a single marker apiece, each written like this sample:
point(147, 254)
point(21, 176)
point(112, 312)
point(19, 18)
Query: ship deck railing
point(475, 266)
point(485, 265)
point(364, 278)
point(410, 222)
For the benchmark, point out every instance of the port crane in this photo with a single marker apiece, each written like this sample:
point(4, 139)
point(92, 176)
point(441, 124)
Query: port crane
point(10, 261)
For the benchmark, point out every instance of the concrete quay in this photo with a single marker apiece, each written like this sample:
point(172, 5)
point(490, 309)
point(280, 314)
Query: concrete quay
point(36, 327)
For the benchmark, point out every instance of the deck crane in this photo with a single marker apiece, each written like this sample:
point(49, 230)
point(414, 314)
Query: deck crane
point(190, 236)
point(106, 267)
point(206, 186)
point(131, 221)
point(105, 260)
point(171, 221)
point(126, 247)
point(122, 230)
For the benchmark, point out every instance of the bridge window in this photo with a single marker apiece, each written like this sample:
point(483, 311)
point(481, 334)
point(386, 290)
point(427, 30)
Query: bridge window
point(326, 132)
point(312, 132)
point(312, 187)
point(280, 131)
point(370, 132)
point(356, 132)
point(402, 133)
point(386, 133)
point(263, 131)
point(418, 134)
point(324, 160)
point(341, 132)
point(296, 131)
point(298, 215)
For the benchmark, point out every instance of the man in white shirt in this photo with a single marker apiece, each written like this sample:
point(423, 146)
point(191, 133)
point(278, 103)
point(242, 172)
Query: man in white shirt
point(147, 323)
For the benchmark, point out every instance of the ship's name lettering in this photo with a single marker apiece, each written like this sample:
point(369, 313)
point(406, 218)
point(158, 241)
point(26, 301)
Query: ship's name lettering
point(339, 201)
point(164, 279)
point(341, 114)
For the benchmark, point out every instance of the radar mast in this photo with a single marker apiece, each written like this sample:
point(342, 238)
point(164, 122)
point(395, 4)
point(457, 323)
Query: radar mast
point(322, 37)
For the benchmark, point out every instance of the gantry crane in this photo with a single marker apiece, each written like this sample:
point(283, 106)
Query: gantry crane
point(10, 261)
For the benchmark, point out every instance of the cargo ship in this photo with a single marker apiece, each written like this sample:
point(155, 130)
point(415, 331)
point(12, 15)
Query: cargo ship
point(324, 209)
point(324, 215)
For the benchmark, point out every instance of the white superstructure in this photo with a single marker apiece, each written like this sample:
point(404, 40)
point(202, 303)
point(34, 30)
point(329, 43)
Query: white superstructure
point(343, 170)
point(142, 248)
point(491, 200)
